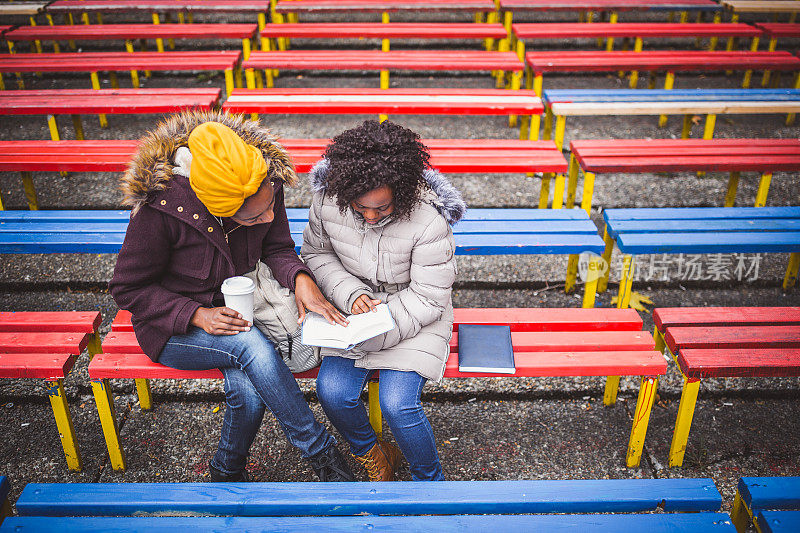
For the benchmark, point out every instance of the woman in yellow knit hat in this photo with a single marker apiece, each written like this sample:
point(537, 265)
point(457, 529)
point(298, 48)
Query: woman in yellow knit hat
point(206, 192)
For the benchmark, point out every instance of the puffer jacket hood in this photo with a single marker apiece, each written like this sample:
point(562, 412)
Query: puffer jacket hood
point(152, 167)
point(445, 198)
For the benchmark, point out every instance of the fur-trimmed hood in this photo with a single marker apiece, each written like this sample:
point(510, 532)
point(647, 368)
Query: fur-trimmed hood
point(441, 194)
point(152, 167)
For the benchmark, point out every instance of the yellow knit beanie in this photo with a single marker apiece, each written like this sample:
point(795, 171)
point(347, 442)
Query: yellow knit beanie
point(225, 170)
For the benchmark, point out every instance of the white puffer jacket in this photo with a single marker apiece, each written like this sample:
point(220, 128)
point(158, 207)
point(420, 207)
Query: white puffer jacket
point(406, 263)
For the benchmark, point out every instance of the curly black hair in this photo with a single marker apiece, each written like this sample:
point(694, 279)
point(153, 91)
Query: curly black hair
point(375, 154)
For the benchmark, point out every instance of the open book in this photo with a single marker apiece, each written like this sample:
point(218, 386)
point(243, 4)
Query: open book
point(319, 332)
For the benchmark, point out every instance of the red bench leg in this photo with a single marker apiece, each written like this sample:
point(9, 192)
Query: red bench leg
point(641, 419)
point(55, 390)
point(108, 419)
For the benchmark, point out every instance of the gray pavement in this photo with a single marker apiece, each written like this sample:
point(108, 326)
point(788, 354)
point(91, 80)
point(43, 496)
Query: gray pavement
point(489, 428)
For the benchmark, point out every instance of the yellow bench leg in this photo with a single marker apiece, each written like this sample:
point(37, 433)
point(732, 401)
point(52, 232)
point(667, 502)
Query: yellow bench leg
point(637, 47)
point(561, 126)
point(712, 44)
point(108, 419)
point(602, 283)
point(686, 132)
point(610, 393)
point(572, 180)
point(558, 192)
point(683, 422)
point(52, 125)
point(55, 390)
point(96, 85)
point(791, 271)
point(741, 515)
point(77, 126)
point(30, 191)
point(796, 85)
point(572, 273)
point(588, 191)
point(590, 286)
point(773, 44)
point(763, 189)
point(544, 193)
point(658, 337)
point(733, 185)
point(668, 84)
point(375, 417)
point(229, 84)
point(143, 391)
point(641, 419)
point(547, 134)
point(625, 284)
point(612, 19)
point(159, 42)
point(533, 134)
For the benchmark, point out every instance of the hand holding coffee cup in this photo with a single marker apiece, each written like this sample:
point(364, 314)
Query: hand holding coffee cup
point(238, 292)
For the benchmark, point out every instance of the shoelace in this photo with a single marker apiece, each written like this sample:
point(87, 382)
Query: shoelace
point(371, 466)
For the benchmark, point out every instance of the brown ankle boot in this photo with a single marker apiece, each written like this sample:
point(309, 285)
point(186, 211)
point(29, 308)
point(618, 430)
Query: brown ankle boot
point(381, 461)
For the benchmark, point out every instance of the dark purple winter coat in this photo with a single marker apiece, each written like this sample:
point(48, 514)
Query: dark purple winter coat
point(175, 257)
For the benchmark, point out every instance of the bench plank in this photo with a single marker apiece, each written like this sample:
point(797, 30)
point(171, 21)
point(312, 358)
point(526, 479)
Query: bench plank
point(439, 60)
point(779, 521)
point(681, 338)
point(652, 523)
point(699, 213)
point(523, 6)
point(105, 61)
point(770, 492)
point(130, 6)
point(708, 243)
point(574, 341)
point(387, 101)
point(59, 321)
point(762, 6)
point(666, 317)
point(38, 342)
point(384, 6)
point(106, 101)
point(569, 30)
point(738, 362)
point(49, 366)
point(393, 497)
point(778, 29)
point(98, 32)
point(552, 96)
point(392, 30)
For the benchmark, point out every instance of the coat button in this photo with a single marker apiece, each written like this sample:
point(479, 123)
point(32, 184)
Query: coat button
point(195, 216)
point(210, 229)
point(163, 202)
point(180, 209)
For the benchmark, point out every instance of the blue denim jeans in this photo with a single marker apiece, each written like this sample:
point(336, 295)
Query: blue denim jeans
point(339, 386)
point(255, 377)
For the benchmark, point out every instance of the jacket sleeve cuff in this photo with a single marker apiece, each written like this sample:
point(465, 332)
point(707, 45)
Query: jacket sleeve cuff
point(184, 317)
point(297, 269)
point(355, 295)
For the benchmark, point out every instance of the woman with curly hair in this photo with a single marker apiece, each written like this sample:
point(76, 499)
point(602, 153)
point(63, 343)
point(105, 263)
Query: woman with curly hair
point(379, 231)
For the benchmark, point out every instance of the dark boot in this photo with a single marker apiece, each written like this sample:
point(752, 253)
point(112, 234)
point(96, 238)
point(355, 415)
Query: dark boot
point(381, 461)
point(218, 476)
point(330, 465)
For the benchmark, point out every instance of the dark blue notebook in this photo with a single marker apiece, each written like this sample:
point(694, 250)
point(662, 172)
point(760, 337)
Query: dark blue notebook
point(485, 349)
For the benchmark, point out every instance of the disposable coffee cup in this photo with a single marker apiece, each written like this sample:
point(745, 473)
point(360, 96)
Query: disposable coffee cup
point(238, 292)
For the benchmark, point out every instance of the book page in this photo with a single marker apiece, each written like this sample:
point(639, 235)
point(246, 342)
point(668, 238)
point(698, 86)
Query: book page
point(319, 332)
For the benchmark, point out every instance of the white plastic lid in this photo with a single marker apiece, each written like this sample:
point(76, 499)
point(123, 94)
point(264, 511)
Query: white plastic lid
point(238, 285)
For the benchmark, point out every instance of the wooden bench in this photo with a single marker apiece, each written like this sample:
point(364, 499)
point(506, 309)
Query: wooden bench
point(637, 31)
point(274, 36)
point(447, 155)
point(390, 102)
point(547, 342)
point(679, 155)
point(770, 503)
point(586, 8)
point(690, 505)
point(30, 9)
point(563, 103)
point(775, 7)
point(181, 7)
point(94, 62)
point(44, 345)
point(711, 342)
point(700, 230)
point(775, 31)
point(671, 61)
point(5, 505)
point(77, 102)
point(129, 32)
point(371, 60)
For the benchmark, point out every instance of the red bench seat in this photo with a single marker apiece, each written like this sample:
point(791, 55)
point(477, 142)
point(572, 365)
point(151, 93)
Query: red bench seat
point(392, 30)
point(725, 342)
point(44, 345)
point(675, 155)
point(570, 30)
point(547, 342)
point(131, 6)
point(102, 32)
point(384, 6)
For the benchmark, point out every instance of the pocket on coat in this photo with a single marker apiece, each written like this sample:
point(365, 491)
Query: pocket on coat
point(193, 261)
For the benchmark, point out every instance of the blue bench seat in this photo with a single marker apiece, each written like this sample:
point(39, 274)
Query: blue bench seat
point(482, 232)
point(772, 503)
point(688, 505)
point(700, 230)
